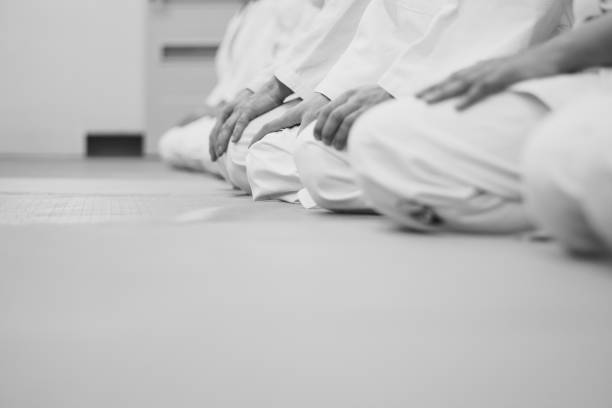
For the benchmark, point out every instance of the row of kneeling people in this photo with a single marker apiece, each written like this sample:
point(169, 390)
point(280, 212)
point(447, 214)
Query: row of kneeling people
point(457, 115)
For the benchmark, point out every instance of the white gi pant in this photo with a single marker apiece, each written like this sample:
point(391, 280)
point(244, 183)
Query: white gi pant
point(255, 38)
point(187, 146)
point(326, 174)
point(568, 174)
point(432, 168)
point(235, 162)
point(291, 166)
point(271, 169)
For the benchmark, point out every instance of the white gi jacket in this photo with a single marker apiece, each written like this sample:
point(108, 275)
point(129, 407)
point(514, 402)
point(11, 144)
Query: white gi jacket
point(317, 50)
point(556, 92)
point(387, 28)
point(255, 37)
point(464, 32)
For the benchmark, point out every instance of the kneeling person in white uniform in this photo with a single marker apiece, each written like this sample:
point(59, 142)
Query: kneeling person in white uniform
point(255, 37)
point(568, 175)
point(396, 42)
point(295, 75)
point(454, 168)
point(386, 28)
point(490, 27)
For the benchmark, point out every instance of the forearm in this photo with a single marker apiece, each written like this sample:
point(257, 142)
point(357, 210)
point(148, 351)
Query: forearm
point(587, 46)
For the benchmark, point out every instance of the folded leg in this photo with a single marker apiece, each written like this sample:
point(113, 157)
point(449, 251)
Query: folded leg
point(433, 168)
point(234, 162)
point(327, 175)
point(187, 146)
point(271, 169)
point(568, 175)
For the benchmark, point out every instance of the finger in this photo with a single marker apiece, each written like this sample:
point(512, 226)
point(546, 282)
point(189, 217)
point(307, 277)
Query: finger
point(212, 140)
point(215, 130)
point(226, 112)
point(327, 110)
point(467, 75)
point(422, 93)
point(221, 118)
point(447, 90)
point(321, 119)
point(473, 96)
point(260, 135)
point(334, 121)
point(241, 124)
point(225, 133)
point(435, 87)
point(211, 148)
point(288, 120)
point(488, 85)
point(344, 131)
point(306, 120)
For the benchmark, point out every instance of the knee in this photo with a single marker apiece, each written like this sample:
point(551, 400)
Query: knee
point(367, 130)
point(376, 135)
point(309, 160)
point(168, 146)
point(235, 166)
point(542, 161)
point(561, 174)
point(570, 149)
point(552, 206)
point(257, 171)
point(334, 178)
point(268, 165)
point(374, 148)
point(326, 176)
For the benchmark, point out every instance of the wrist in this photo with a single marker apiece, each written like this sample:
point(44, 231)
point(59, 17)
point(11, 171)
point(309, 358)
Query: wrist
point(540, 63)
point(278, 90)
point(559, 63)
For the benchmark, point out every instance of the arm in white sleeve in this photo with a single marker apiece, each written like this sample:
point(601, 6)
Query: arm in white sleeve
point(317, 50)
point(292, 19)
point(386, 29)
point(476, 30)
point(223, 60)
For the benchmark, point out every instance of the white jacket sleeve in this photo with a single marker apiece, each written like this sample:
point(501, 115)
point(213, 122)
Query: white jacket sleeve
point(317, 50)
point(254, 39)
point(223, 60)
point(292, 19)
point(387, 27)
point(474, 30)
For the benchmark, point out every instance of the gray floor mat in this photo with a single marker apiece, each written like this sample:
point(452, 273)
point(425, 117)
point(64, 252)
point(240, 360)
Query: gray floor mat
point(18, 209)
point(25, 201)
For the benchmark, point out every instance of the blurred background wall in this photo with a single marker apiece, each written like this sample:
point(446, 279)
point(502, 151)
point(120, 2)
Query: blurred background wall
point(72, 67)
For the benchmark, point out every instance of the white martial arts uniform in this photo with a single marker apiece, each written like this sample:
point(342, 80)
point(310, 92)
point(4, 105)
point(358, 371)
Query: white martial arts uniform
point(433, 168)
point(568, 174)
point(302, 67)
point(259, 34)
point(385, 29)
point(464, 32)
point(568, 162)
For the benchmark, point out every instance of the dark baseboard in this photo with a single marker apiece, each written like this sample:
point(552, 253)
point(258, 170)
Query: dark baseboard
point(114, 144)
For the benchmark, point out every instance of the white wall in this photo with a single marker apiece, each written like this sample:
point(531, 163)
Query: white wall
point(68, 67)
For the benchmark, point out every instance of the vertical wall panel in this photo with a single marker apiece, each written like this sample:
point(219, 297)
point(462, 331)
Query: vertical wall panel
point(69, 67)
point(182, 39)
